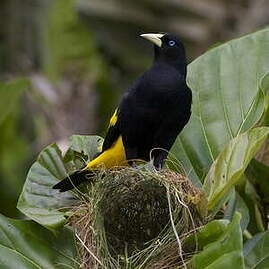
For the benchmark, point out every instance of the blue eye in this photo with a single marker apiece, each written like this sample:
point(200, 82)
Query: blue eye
point(171, 43)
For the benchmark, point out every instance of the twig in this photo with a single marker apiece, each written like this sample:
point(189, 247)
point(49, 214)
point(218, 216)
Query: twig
point(174, 228)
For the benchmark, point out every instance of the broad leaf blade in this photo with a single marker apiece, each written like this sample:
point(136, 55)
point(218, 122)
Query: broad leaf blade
point(27, 245)
point(225, 252)
point(38, 200)
point(256, 252)
point(231, 164)
point(227, 99)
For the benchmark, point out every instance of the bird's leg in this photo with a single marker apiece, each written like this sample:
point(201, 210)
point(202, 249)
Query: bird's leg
point(131, 156)
point(163, 142)
point(133, 164)
point(159, 158)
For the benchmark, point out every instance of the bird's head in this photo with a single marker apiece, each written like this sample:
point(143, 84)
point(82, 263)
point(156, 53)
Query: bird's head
point(168, 48)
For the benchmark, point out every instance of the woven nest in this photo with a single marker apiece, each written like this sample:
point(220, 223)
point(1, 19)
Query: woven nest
point(137, 218)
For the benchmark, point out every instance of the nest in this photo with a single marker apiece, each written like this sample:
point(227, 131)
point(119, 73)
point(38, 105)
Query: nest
point(133, 218)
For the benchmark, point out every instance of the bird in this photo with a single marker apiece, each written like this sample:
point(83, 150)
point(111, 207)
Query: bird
point(151, 114)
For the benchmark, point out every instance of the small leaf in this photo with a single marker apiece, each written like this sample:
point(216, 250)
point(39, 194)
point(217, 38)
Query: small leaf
point(88, 147)
point(256, 252)
point(253, 202)
point(265, 86)
point(38, 200)
point(237, 204)
point(231, 164)
point(258, 174)
point(207, 234)
point(26, 245)
point(225, 252)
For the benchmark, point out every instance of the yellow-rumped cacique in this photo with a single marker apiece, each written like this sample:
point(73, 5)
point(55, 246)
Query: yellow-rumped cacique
point(151, 114)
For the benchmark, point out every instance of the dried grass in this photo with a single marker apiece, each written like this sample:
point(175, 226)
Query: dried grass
point(137, 218)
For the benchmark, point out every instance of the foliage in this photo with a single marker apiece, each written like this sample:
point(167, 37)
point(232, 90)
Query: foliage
point(231, 163)
point(13, 145)
point(38, 200)
point(64, 30)
point(217, 150)
point(26, 245)
point(10, 92)
point(224, 252)
point(228, 99)
point(256, 251)
point(71, 52)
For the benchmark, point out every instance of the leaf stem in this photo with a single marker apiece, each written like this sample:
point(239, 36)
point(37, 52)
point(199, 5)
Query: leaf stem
point(247, 234)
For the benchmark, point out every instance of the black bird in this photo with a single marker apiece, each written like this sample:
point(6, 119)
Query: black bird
point(151, 114)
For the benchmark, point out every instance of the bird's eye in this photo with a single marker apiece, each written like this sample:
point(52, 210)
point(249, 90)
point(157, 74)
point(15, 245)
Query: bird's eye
point(171, 43)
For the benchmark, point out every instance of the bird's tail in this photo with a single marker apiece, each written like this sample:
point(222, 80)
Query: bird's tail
point(74, 180)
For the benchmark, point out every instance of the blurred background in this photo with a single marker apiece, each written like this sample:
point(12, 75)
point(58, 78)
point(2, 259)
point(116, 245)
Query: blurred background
point(81, 55)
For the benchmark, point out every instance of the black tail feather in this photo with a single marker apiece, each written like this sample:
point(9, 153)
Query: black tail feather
point(73, 180)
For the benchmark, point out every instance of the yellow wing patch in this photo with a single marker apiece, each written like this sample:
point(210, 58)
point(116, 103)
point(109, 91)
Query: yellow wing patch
point(114, 118)
point(114, 156)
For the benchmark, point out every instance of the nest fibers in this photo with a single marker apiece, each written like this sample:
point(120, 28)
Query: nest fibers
point(133, 218)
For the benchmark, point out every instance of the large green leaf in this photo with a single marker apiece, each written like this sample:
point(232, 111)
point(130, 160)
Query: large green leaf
point(231, 164)
point(256, 252)
point(227, 99)
point(26, 245)
point(9, 93)
point(38, 200)
point(225, 252)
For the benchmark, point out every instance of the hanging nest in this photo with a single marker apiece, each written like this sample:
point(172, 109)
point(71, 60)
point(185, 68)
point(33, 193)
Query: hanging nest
point(132, 218)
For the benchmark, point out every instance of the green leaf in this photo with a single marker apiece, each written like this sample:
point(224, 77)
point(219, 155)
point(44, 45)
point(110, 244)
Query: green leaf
point(88, 147)
point(225, 252)
point(10, 93)
point(227, 100)
point(257, 194)
point(237, 204)
point(256, 252)
point(255, 207)
point(38, 200)
point(231, 164)
point(207, 234)
point(264, 85)
point(26, 245)
point(258, 174)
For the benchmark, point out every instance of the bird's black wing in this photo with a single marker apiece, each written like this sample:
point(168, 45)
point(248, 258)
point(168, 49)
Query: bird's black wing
point(113, 131)
point(140, 117)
